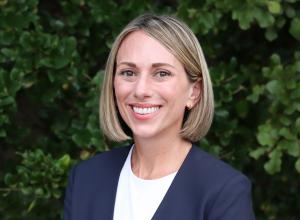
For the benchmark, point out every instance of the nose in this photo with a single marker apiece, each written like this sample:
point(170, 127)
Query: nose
point(142, 87)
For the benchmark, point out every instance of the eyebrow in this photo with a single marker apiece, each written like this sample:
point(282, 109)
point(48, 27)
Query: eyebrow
point(153, 64)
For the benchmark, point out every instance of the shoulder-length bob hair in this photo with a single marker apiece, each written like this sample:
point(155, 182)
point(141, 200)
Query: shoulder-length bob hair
point(183, 44)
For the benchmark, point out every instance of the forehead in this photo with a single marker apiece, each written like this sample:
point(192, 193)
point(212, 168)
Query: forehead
point(139, 47)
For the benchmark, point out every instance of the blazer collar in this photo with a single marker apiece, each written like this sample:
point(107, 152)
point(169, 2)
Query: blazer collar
point(110, 190)
point(178, 191)
point(174, 195)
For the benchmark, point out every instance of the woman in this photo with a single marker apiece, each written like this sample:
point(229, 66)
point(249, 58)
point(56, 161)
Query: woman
point(157, 92)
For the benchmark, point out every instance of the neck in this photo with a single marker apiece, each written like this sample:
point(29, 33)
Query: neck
point(158, 157)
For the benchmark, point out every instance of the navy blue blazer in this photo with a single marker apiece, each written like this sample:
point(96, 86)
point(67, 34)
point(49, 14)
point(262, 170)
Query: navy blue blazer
point(204, 188)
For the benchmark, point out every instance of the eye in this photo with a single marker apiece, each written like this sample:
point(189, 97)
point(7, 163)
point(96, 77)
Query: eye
point(126, 73)
point(162, 74)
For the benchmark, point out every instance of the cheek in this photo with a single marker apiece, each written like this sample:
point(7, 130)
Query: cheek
point(121, 91)
point(122, 94)
point(177, 95)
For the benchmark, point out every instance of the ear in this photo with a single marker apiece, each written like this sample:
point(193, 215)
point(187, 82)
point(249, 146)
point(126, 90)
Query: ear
point(194, 95)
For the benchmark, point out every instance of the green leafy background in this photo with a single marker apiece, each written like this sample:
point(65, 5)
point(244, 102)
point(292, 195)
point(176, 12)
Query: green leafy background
point(52, 56)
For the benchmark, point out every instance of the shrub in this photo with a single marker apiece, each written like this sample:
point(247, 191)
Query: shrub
point(52, 56)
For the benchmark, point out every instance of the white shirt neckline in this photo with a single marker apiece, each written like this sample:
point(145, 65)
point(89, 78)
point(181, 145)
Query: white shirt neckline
point(171, 175)
point(137, 198)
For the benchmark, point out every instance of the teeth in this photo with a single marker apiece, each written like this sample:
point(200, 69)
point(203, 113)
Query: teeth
point(144, 111)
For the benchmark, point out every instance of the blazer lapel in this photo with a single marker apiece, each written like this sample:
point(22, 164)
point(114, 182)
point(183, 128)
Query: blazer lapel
point(109, 189)
point(179, 200)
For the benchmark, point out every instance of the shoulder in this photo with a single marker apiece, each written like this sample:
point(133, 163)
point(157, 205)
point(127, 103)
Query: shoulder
point(212, 164)
point(102, 163)
point(225, 192)
point(94, 181)
point(214, 174)
point(105, 157)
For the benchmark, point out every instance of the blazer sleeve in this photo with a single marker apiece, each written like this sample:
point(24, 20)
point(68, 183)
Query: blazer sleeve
point(68, 196)
point(233, 201)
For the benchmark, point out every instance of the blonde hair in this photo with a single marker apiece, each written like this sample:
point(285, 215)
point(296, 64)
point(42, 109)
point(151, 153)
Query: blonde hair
point(183, 44)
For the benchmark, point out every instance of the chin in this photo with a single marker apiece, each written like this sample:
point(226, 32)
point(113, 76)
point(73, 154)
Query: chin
point(145, 134)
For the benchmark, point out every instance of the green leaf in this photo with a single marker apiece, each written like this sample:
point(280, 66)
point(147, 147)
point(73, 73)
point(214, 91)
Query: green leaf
point(3, 2)
point(257, 153)
point(26, 190)
point(296, 106)
point(242, 108)
point(295, 28)
point(69, 46)
point(275, 59)
point(98, 78)
point(16, 74)
point(4, 119)
point(257, 91)
point(31, 206)
point(64, 161)
point(292, 147)
point(244, 17)
point(273, 87)
point(222, 113)
point(297, 165)
point(290, 109)
point(295, 94)
point(267, 136)
point(264, 139)
point(291, 84)
point(290, 12)
point(7, 101)
point(297, 66)
point(280, 22)
point(271, 34)
point(8, 52)
point(274, 164)
point(45, 61)
point(84, 154)
point(274, 7)
point(297, 125)
point(60, 62)
point(8, 179)
point(3, 133)
point(81, 138)
point(287, 134)
point(39, 192)
point(192, 12)
point(56, 193)
point(286, 121)
point(264, 19)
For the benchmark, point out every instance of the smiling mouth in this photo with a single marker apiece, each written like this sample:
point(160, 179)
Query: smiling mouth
point(145, 110)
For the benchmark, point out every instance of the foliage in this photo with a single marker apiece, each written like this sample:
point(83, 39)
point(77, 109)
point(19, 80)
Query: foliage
point(52, 56)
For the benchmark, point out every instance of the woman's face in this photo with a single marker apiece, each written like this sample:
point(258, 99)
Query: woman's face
point(151, 87)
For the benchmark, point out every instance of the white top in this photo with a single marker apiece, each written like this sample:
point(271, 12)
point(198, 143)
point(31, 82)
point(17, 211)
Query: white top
point(138, 199)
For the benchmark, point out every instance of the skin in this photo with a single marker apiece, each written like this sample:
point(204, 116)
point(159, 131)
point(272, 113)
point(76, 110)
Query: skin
point(148, 75)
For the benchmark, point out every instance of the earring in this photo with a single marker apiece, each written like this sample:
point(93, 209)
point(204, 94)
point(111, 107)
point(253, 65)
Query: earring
point(188, 106)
